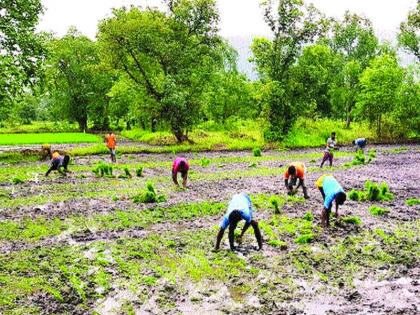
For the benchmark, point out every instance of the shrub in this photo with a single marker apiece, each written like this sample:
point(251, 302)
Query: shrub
point(351, 219)
point(412, 202)
point(205, 162)
point(103, 169)
point(148, 195)
point(304, 238)
point(139, 171)
point(374, 210)
point(256, 152)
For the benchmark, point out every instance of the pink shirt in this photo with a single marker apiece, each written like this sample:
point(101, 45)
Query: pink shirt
point(177, 162)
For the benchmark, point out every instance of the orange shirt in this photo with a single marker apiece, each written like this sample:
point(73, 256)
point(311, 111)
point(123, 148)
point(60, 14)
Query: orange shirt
point(110, 141)
point(55, 155)
point(300, 170)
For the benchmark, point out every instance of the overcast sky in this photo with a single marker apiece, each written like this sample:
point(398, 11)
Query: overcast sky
point(238, 17)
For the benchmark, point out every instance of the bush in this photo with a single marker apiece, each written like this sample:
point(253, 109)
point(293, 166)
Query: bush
point(148, 195)
point(374, 210)
point(256, 152)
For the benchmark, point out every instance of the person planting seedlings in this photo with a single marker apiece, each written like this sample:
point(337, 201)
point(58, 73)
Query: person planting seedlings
point(111, 143)
point(240, 207)
point(58, 161)
point(295, 171)
point(180, 165)
point(330, 190)
point(329, 150)
point(360, 143)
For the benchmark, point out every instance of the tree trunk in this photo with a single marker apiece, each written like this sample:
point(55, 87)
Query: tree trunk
point(348, 120)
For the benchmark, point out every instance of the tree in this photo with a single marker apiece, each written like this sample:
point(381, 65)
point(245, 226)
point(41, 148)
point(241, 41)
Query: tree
point(380, 83)
point(409, 36)
point(169, 55)
point(21, 52)
point(76, 82)
point(355, 40)
point(293, 26)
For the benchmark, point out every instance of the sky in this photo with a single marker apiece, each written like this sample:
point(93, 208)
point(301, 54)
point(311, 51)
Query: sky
point(237, 17)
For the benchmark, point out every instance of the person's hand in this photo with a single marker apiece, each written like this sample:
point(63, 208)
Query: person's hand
point(239, 240)
point(336, 215)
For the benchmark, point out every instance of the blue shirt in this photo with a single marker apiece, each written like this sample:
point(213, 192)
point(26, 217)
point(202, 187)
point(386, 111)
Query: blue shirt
point(360, 142)
point(243, 204)
point(331, 188)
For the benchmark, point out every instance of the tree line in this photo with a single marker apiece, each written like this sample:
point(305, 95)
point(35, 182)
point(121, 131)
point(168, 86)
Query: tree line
point(171, 70)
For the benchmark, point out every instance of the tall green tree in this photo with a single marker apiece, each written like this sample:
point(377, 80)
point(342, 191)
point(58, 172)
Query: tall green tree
point(21, 51)
point(409, 35)
point(293, 25)
point(170, 55)
point(79, 87)
point(353, 38)
point(380, 83)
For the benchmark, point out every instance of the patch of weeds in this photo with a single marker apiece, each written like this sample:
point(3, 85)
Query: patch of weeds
point(360, 158)
point(139, 171)
point(256, 152)
point(103, 169)
point(252, 165)
point(275, 203)
point(371, 155)
point(205, 162)
point(375, 210)
point(17, 181)
point(278, 243)
point(412, 202)
point(304, 238)
point(149, 195)
point(351, 219)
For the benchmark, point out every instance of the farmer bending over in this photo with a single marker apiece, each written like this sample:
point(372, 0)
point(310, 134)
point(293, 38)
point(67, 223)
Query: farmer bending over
point(360, 143)
point(111, 143)
point(296, 170)
point(240, 207)
point(329, 150)
point(57, 162)
point(330, 190)
point(180, 165)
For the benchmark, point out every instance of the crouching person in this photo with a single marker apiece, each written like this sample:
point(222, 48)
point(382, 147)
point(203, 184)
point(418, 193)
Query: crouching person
point(59, 163)
point(240, 207)
point(180, 165)
point(330, 190)
point(295, 172)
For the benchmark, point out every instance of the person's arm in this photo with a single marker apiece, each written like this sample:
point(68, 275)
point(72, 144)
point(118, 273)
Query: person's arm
point(49, 171)
point(300, 183)
point(257, 233)
point(231, 237)
point(336, 209)
point(219, 238)
point(322, 192)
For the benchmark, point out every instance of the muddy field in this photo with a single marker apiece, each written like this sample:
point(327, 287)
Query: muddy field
point(80, 245)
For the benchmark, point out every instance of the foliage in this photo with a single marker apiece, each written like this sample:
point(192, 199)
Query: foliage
point(409, 37)
point(139, 171)
point(205, 162)
point(41, 138)
point(375, 210)
point(373, 192)
point(170, 56)
point(360, 158)
point(17, 181)
point(304, 239)
point(256, 152)
point(275, 203)
point(148, 195)
point(293, 26)
point(308, 216)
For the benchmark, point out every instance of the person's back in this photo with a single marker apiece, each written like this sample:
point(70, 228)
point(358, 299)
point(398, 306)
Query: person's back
point(331, 187)
point(111, 141)
point(300, 170)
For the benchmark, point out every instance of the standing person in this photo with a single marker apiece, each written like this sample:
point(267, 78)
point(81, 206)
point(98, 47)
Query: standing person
point(330, 190)
point(180, 165)
point(329, 150)
point(360, 143)
point(295, 171)
point(57, 162)
point(111, 143)
point(240, 207)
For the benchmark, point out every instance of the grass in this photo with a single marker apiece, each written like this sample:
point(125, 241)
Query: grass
point(412, 202)
point(378, 211)
point(373, 192)
point(40, 127)
point(50, 138)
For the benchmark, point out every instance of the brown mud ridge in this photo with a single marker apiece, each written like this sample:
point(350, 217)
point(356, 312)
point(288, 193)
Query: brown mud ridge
point(398, 295)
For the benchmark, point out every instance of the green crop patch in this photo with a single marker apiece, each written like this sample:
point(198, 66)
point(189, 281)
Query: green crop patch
point(412, 202)
point(378, 211)
point(373, 192)
point(41, 138)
